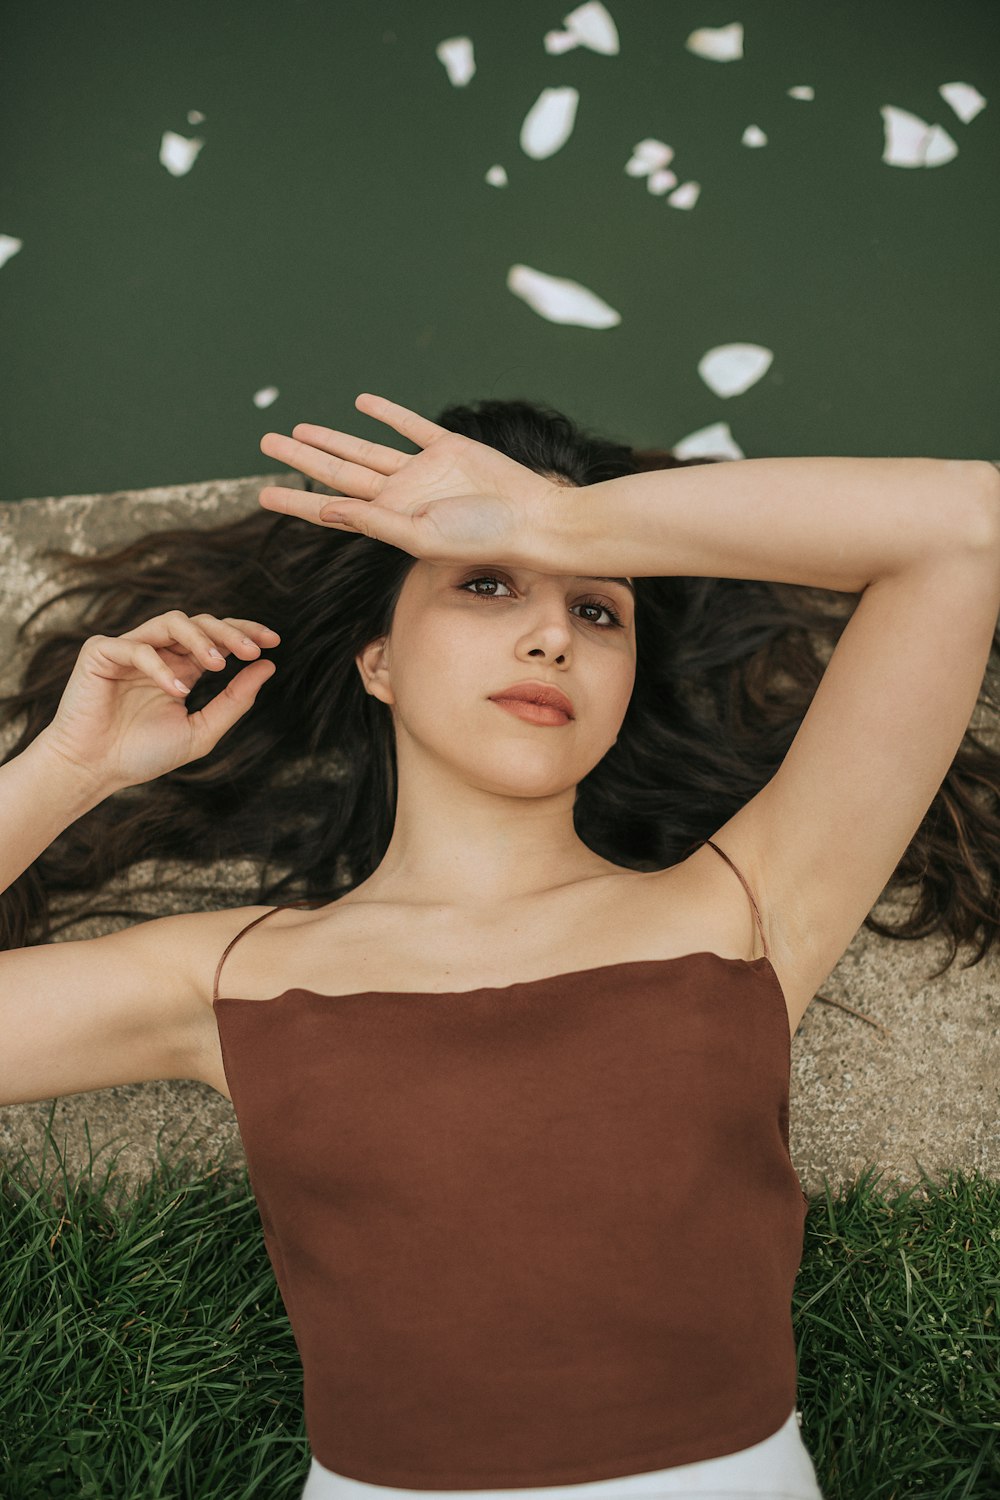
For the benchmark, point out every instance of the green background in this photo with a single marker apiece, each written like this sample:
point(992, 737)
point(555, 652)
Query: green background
point(337, 233)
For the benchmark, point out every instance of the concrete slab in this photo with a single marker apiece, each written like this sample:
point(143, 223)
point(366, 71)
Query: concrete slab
point(920, 1088)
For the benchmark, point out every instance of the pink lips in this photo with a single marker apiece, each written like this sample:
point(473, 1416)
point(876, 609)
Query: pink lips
point(536, 702)
point(534, 713)
point(536, 692)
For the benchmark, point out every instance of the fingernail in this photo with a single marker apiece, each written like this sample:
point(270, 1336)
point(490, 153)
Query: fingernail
point(181, 687)
point(326, 514)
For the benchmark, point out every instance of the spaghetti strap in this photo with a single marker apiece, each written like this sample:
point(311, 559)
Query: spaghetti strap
point(739, 874)
point(233, 941)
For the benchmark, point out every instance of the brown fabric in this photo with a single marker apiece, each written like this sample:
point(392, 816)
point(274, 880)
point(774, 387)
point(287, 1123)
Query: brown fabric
point(528, 1235)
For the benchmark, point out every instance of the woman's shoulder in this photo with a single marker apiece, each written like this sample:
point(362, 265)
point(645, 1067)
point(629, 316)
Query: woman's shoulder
point(203, 937)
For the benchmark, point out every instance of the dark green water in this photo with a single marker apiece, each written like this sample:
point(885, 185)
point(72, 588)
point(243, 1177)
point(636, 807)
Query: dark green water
point(336, 232)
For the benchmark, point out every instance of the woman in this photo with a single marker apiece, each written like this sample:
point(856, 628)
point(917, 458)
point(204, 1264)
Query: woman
point(529, 1202)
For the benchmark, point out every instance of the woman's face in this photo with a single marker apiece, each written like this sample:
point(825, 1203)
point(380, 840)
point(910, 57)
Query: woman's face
point(454, 642)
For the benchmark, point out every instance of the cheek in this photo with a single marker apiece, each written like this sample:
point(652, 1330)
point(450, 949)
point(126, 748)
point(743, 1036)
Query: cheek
point(438, 666)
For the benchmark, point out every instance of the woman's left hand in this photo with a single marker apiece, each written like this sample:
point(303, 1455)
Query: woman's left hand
point(455, 501)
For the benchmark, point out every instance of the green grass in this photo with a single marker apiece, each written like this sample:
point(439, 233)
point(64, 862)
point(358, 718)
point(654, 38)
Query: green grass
point(145, 1352)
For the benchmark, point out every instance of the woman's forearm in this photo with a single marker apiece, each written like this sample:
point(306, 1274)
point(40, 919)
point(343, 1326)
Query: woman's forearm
point(40, 796)
point(831, 523)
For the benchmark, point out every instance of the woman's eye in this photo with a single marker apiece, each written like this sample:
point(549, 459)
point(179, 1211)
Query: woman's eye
point(597, 604)
point(484, 579)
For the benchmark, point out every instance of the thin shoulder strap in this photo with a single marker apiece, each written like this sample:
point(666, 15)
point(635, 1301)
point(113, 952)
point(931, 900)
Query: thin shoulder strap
point(753, 903)
point(233, 941)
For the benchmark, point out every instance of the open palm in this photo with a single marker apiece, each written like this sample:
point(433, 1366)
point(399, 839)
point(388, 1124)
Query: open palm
point(448, 503)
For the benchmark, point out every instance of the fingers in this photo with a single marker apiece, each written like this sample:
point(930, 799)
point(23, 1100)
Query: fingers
point(141, 658)
point(206, 639)
point(342, 462)
point(418, 429)
point(377, 522)
point(374, 456)
point(301, 503)
point(336, 473)
point(209, 724)
point(203, 634)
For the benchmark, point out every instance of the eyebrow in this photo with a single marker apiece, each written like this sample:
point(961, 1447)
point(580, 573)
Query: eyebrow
point(595, 578)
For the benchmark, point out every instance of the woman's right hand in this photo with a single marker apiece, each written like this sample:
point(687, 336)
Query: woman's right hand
point(122, 719)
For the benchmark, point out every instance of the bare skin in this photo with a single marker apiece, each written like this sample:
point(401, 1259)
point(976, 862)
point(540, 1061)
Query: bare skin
point(485, 882)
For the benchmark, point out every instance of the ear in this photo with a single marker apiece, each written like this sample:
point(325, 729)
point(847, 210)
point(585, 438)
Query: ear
point(373, 664)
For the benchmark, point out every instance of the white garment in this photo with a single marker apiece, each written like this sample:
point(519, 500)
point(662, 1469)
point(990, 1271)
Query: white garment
point(779, 1468)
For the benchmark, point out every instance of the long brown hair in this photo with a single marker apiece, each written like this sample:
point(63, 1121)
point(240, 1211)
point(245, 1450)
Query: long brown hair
point(303, 789)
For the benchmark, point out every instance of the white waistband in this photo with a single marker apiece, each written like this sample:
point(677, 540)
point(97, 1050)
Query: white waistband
point(779, 1467)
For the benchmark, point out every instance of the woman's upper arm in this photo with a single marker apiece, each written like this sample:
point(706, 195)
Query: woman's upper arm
point(122, 1008)
point(823, 837)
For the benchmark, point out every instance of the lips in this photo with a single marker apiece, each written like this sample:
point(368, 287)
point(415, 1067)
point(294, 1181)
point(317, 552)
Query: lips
point(537, 692)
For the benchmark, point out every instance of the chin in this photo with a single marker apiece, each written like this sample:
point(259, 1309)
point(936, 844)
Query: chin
point(522, 771)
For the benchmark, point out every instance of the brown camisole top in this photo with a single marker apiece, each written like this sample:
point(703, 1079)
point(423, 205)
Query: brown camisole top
point(532, 1234)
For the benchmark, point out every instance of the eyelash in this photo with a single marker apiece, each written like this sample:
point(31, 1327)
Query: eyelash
point(596, 603)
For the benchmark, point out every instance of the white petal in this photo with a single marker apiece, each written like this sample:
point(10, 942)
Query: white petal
point(731, 369)
point(178, 154)
point(911, 142)
point(753, 136)
point(715, 441)
point(686, 196)
point(656, 153)
point(266, 396)
point(560, 300)
point(658, 182)
point(802, 91)
point(557, 42)
point(648, 156)
point(592, 27)
point(939, 148)
point(718, 44)
point(965, 100)
point(549, 122)
point(195, 116)
point(496, 176)
point(8, 246)
point(456, 54)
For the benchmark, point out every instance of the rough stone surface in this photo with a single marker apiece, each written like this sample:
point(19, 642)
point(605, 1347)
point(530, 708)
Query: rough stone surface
point(921, 1093)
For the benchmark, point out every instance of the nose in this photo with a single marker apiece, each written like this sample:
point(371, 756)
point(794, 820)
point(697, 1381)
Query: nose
point(549, 634)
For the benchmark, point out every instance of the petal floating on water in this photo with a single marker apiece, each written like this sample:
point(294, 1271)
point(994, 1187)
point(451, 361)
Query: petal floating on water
point(588, 26)
point(549, 122)
point(561, 300)
point(8, 246)
point(179, 154)
point(647, 156)
point(717, 43)
point(731, 369)
point(753, 136)
point(715, 441)
point(965, 100)
point(457, 56)
point(659, 181)
point(911, 142)
point(686, 196)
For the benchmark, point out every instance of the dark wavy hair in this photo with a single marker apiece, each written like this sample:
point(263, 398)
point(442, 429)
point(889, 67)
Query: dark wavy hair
point(304, 786)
